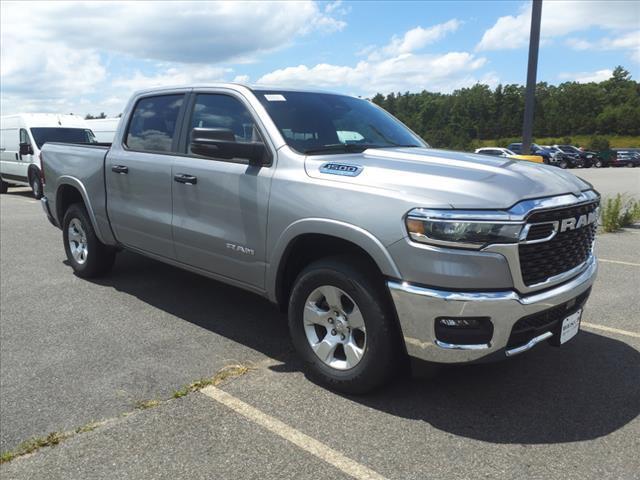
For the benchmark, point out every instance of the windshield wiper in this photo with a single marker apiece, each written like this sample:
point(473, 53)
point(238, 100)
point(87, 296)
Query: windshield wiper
point(340, 148)
point(399, 146)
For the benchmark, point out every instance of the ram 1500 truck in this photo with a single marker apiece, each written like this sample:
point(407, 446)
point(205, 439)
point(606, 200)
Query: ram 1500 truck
point(376, 245)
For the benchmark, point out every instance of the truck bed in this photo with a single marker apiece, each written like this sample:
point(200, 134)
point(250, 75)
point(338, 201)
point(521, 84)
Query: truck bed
point(81, 167)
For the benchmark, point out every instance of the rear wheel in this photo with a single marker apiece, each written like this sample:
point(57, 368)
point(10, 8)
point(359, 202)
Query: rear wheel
point(4, 186)
point(342, 326)
point(88, 256)
point(630, 165)
point(563, 164)
point(598, 163)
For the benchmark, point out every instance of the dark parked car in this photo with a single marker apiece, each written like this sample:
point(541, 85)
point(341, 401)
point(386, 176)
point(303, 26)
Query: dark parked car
point(584, 159)
point(536, 149)
point(625, 158)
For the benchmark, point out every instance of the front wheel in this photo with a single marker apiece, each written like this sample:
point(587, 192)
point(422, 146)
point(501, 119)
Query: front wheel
point(4, 186)
point(598, 163)
point(343, 327)
point(88, 256)
point(563, 164)
point(630, 165)
point(36, 186)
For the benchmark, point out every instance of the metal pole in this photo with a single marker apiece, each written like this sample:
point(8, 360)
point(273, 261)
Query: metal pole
point(530, 96)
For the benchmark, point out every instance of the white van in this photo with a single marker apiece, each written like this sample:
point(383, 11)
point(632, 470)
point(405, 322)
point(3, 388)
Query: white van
point(104, 129)
point(22, 137)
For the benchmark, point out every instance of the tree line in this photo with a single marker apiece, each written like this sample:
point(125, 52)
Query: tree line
point(460, 119)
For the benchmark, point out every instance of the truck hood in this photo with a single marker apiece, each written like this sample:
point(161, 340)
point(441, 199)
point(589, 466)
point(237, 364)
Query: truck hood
point(445, 178)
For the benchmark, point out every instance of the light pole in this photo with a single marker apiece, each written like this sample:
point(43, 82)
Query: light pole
point(530, 95)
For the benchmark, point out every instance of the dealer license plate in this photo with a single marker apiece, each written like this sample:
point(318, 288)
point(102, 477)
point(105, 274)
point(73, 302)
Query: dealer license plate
point(570, 327)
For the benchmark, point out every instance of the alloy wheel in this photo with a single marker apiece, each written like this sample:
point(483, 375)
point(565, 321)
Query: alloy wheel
point(78, 241)
point(334, 327)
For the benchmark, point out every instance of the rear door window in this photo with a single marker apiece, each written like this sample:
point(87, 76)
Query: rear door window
point(153, 125)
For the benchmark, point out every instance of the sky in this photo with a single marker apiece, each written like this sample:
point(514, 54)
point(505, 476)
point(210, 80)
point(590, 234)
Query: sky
point(90, 57)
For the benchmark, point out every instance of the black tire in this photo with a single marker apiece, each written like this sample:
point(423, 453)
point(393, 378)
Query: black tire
point(99, 257)
point(630, 165)
point(36, 185)
point(382, 350)
point(4, 186)
point(563, 164)
point(598, 164)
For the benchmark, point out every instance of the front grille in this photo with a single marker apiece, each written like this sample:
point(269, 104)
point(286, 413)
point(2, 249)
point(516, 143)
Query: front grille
point(540, 231)
point(567, 250)
point(531, 326)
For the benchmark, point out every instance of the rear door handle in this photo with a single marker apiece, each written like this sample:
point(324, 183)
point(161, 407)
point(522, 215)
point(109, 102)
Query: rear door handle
point(121, 169)
point(186, 179)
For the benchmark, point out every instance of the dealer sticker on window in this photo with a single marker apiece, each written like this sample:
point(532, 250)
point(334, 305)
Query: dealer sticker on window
point(275, 97)
point(570, 327)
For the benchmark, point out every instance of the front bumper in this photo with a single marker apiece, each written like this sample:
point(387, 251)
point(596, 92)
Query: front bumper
point(419, 307)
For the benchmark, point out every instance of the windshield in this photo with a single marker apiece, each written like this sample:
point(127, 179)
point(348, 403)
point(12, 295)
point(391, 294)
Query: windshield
point(42, 135)
point(318, 123)
point(569, 149)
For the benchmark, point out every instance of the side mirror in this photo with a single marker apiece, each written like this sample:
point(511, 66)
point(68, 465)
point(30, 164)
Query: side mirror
point(221, 143)
point(26, 149)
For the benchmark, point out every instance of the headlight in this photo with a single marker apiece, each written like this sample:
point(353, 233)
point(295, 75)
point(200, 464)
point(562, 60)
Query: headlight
point(462, 233)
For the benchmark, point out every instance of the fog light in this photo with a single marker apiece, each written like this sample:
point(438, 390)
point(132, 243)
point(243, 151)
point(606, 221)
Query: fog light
point(464, 330)
point(459, 322)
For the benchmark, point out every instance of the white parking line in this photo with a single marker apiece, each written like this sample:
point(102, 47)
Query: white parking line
point(305, 442)
point(611, 330)
point(619, 262)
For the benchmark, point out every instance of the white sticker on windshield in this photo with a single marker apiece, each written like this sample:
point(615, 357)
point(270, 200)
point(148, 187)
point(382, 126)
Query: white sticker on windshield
point(275, 97)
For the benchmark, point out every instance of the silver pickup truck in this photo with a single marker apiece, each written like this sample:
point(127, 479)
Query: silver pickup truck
point(376, 245)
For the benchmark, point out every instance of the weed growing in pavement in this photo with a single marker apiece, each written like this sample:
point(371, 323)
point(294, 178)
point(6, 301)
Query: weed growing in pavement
point(230, 371)
point(145, 404)
point(619, 211)
point(89, 427)
point(54, 438)
point(33, 444)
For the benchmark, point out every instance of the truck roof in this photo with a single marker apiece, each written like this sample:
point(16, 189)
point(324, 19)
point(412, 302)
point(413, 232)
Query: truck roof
point(237, 86)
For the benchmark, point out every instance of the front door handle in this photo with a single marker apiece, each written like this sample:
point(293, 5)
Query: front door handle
point(186, 179)
point(121, 169)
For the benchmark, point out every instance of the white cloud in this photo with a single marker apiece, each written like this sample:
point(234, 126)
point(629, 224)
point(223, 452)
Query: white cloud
point(186, 32)
point(587, 77)
point(416, 39)
point(394, 67)
point(406, 72)
point(560, 18)
point(629, 41)
point(413, 40)
point(54, 53)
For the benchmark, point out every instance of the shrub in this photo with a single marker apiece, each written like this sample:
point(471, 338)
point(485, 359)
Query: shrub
point(619, 212)
point(598, 143)
point(566, 141)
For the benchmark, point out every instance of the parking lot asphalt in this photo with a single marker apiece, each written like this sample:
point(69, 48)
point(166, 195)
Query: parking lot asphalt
point(610, 181)
point(74, 352)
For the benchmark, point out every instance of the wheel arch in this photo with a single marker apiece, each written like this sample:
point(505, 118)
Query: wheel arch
point(70, 190)
point(310, 239)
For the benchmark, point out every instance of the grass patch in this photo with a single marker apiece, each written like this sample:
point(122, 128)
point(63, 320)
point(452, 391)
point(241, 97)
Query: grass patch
point(33, 444)
point(230, 371)
point(89, 427)
point(619, 211)
point(146, 404)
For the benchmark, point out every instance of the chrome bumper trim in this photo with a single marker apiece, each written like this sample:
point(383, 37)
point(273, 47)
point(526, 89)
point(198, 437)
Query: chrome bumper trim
point(529, 345)
point(417, 308)
point(454, 346)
